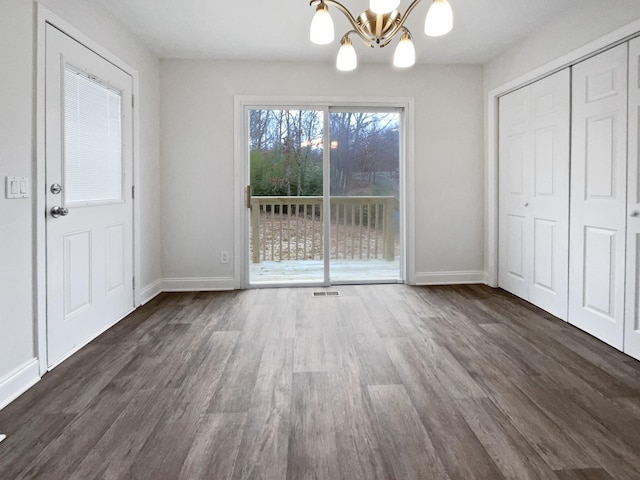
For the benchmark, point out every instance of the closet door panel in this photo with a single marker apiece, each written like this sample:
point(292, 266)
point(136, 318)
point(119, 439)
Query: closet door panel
point(598, 195)
point(534, 192)
point(600, 272)
point(514, 230)
point(632, 315)
point(549, 205)
point(545, 242)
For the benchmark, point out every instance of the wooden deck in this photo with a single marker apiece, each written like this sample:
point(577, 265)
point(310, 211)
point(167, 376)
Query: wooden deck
point(306, 271)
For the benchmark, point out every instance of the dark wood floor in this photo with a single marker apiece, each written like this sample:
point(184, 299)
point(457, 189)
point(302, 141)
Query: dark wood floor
point(384, 381)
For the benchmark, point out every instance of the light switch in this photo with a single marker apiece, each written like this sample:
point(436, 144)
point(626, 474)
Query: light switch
point(16, 187)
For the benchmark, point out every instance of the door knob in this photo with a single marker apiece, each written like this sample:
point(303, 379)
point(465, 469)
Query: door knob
point(635, 213)
point(59, 212)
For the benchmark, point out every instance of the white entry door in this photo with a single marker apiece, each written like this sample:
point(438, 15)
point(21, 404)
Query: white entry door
point(599, 196)
point(89, 207)
point(632, 313)
point(534, 193)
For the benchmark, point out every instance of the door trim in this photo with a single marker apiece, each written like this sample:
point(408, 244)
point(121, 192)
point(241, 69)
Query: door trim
point(44, 17)
point(407, 159)
point(591, 49)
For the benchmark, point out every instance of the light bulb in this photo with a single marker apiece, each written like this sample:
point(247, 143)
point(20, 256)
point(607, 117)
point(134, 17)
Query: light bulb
point(321, 31)
point(405, 54)
point(383, 6)
point(439, 19)
point(347, 59)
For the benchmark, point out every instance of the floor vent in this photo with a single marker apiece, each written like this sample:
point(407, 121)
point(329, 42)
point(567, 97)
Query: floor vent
point(326, 294)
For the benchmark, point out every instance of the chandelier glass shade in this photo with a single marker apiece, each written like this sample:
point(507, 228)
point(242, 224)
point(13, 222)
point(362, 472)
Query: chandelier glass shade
point(405, 54)
point(322, 31)
point(439, 19)
point(383, 6)
point(378, 26)
point(347, 59)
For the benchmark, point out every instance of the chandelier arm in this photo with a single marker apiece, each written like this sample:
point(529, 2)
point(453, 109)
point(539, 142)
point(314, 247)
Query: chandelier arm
point(404, 29)
point(350, 17)
point(366, 42)
point(401, 21)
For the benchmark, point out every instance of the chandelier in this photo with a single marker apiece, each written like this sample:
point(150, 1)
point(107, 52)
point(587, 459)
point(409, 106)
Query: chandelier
point(378, 26)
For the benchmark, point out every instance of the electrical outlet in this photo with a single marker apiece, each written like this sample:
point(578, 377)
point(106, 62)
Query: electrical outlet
point(224, 256)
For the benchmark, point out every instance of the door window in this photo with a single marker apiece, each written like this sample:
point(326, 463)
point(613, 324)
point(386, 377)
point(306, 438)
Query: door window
point(92, 140)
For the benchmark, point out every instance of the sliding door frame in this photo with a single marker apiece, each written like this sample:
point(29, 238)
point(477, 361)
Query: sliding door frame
point(243, 104)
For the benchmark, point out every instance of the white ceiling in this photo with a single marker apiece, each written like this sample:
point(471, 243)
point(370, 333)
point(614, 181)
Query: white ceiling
point(279, 29)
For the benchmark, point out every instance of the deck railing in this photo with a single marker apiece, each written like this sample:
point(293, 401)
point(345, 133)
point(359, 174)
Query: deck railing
point(291, 228)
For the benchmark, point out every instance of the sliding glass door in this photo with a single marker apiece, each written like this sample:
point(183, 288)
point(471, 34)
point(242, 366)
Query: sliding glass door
point(286, 196)
point(323, 215)
point(364, 195)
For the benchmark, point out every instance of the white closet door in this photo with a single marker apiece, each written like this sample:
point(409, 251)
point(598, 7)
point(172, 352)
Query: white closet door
point(534, 192)
point(599, 195)
point(549, 204)
point(632, 313)
point(514, 172)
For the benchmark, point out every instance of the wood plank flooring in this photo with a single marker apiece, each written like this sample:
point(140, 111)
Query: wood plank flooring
point(382, 382)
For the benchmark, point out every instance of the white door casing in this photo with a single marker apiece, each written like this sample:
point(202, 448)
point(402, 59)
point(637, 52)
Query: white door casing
point(599, 195)
point(632, 310)
point(534, 194)
point(90, 250)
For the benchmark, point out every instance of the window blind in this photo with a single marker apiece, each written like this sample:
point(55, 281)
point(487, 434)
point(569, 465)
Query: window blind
point(92, 140)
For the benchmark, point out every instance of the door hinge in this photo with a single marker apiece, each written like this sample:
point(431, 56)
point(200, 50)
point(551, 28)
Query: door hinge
point(248, 199)
point(133, 191)
point(133, 282)
point(133, 103)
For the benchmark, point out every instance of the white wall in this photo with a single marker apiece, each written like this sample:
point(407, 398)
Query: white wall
point(17, 139)
point(197, 148)
point(567, 32)
point(16, 119)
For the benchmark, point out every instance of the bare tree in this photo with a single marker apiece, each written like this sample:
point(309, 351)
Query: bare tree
point(362, 144)
point(356, 147)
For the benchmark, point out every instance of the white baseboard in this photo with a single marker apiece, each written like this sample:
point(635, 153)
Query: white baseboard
point(150, 291)
point(18, 381)
point(450, 278)
point(195, 284)
point(202, 284)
